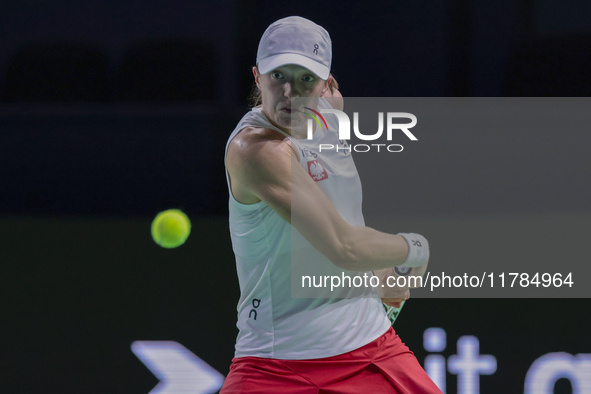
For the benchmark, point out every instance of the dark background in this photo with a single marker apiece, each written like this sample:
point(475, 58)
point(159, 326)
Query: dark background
point(113, 111)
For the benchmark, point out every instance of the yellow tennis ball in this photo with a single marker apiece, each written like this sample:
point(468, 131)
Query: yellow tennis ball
point(171, 228)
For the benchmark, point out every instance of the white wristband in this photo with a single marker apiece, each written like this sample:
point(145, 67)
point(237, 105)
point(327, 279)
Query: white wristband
point(418, 250)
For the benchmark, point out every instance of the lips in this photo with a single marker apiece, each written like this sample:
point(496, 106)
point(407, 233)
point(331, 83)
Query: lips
point(288, 109)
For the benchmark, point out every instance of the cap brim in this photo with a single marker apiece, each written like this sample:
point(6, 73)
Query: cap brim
point(272, 62)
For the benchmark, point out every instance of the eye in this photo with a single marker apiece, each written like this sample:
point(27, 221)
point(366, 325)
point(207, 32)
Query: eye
point(308, 78)
point(277, 75)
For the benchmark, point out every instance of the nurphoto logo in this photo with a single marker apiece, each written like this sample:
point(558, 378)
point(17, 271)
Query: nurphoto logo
point(345, 130)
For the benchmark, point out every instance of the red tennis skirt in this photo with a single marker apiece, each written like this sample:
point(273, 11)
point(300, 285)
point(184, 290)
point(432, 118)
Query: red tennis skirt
point(385, 365)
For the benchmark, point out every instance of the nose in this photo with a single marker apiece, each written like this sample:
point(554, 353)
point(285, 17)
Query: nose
point(289, 90)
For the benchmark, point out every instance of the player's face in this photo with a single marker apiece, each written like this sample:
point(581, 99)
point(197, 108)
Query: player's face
point(282, 84)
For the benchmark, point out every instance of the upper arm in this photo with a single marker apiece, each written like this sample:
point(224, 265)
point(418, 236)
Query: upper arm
point(271, 171)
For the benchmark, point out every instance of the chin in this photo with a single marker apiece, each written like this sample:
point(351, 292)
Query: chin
point(283, 120)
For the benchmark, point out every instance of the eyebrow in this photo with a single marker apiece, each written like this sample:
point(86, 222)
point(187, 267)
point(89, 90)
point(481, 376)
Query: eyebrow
point(307, 73)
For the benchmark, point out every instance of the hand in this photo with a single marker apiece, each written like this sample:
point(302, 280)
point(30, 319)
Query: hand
point(334, 97)
point(396, 302)
point(394, 295)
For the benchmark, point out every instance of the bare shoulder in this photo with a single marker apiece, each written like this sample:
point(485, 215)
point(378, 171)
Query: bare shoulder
point(257, 159)
point(253, 145)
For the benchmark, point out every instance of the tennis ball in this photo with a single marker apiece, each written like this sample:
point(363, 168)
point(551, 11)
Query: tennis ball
point(171, 228)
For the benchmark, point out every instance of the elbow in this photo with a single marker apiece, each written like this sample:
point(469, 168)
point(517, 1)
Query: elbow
point(344, 258)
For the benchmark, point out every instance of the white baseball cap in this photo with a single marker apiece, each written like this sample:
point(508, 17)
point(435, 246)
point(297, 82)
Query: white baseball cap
point(295, 40)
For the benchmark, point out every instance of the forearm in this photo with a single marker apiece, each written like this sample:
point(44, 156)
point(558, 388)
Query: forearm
point(366, 249)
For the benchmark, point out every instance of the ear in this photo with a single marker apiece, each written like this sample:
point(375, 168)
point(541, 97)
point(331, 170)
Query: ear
point(334, 97)
point(326, 89)
point(257, 76)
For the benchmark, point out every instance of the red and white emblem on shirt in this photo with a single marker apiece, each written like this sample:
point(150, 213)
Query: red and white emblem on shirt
point(316, 170)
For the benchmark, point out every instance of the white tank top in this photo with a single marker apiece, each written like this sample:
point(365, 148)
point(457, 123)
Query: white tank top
point(272, 324)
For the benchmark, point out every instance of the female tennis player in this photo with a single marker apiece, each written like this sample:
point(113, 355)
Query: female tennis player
point(283, 191)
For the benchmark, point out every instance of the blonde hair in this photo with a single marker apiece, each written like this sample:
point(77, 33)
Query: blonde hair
point(256, 96)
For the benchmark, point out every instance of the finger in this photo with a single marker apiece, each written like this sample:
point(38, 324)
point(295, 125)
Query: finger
point(393, 299)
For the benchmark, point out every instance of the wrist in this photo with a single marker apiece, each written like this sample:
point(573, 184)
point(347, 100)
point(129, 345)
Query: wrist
point(418, 250)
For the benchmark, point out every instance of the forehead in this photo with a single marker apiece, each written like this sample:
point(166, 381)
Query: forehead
point(293, 69)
